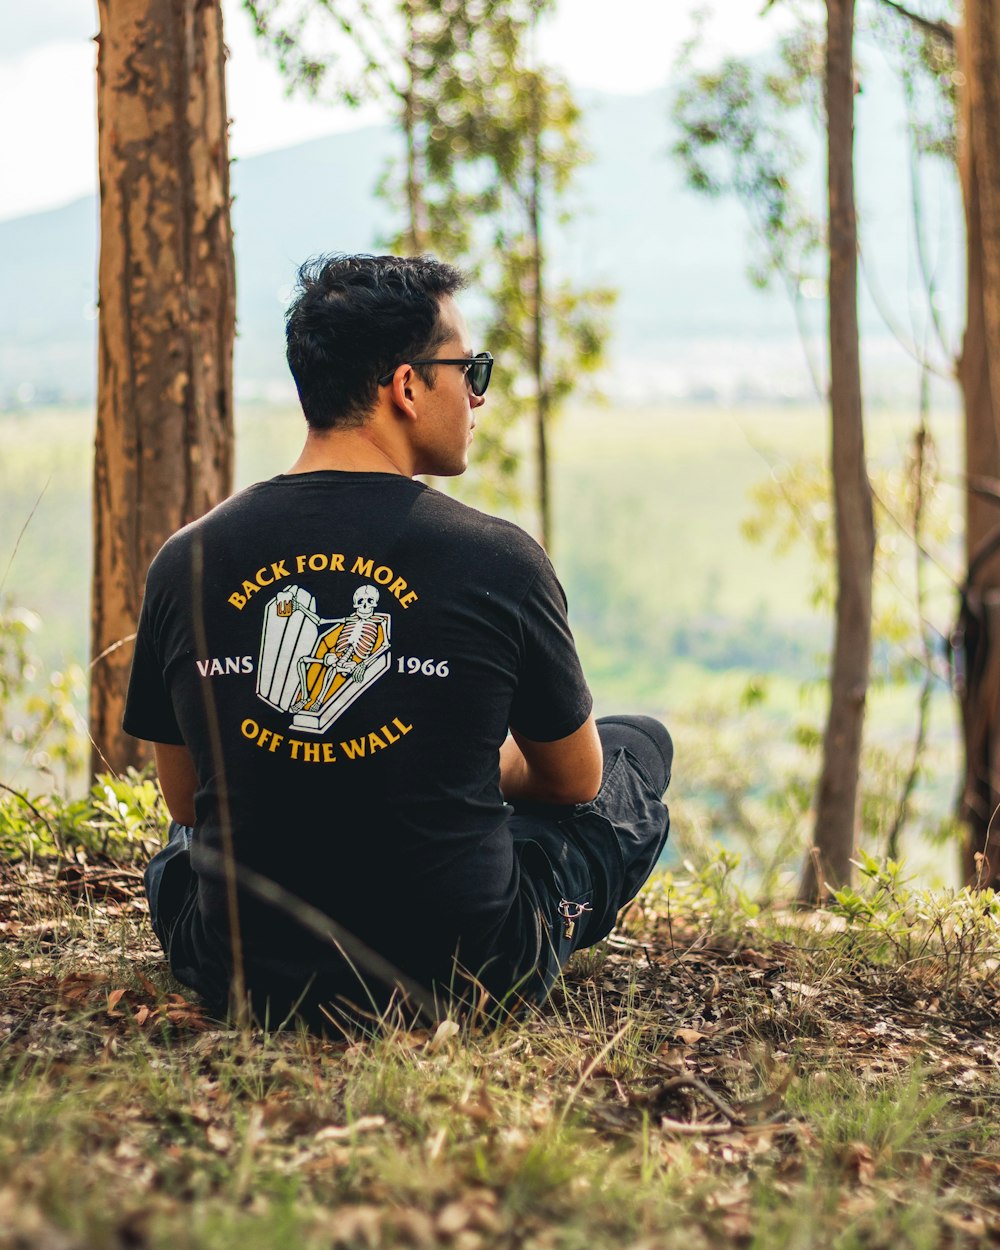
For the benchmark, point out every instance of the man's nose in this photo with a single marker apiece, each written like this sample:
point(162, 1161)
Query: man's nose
point(476, 401)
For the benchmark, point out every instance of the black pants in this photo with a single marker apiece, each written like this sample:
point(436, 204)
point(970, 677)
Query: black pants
point(578, 865)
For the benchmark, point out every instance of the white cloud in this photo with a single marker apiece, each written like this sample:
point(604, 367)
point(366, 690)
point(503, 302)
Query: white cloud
point(264, 115)
point(48, 149)
point(631, 45)
point(48, 143)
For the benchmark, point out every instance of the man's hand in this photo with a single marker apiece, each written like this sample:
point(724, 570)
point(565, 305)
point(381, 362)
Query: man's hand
point(178, 780)
point(562, 772)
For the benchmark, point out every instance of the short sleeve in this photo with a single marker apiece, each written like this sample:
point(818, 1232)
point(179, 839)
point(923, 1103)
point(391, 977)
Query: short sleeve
point(149, 711)
point(552, 699)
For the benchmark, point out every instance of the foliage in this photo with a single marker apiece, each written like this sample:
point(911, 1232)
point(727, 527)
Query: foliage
point(737, 139)
point(709, 895)
point(547, 335)
point(959, 931)
point(41, 725)
point(490, 140)
point(743, 125)
point(793, 507)
point(741, 801)
point(121, 817)
point(925, 58)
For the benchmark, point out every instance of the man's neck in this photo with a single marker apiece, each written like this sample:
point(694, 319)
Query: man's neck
point(357, 450)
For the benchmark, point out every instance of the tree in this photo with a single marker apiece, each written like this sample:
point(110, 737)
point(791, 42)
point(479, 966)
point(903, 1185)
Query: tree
point(979, 374)
point(439, 64)
point(541, 329)
point(491, 142)
point(164, 443)
point(963, 63)
point(728, 112)
point(837, 793)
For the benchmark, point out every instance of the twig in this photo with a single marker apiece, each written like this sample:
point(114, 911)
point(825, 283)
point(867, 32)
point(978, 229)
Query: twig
point(34, 810)
point(701, 1130)
point(691, 1082)
point(17, 543)
point(921, 438)
point(106, 874)
point(942, 30)
point(717, 1130)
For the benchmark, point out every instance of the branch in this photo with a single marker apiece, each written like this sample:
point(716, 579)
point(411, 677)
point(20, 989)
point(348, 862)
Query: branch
point(943, 30)
point(56, 840)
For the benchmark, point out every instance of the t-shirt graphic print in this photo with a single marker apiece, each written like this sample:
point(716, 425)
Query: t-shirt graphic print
point(315, 668)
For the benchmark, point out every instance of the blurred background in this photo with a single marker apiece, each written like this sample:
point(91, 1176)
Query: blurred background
point(681, 190)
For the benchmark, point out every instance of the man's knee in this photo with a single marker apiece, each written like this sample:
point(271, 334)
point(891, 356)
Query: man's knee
point(648, 741)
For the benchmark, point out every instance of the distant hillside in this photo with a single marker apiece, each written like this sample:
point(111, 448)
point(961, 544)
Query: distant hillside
point(687, 322)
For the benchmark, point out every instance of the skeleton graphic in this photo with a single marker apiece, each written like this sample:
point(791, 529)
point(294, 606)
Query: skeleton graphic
point(346, 647)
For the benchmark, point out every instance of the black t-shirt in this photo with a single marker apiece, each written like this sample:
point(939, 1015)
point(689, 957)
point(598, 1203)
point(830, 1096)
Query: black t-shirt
point(343, 654)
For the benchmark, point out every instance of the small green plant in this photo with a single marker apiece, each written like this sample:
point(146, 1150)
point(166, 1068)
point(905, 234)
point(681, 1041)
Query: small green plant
point(955, 932)
point(709, 896)
point(122, 818)
point(41, 724)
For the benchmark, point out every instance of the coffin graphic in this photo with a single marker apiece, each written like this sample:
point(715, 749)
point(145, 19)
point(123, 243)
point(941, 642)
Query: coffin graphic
point(286, 638)
point(300, 656)
point(319, 712)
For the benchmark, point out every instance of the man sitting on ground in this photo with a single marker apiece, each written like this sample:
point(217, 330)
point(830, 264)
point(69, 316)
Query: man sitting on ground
point(370, 722)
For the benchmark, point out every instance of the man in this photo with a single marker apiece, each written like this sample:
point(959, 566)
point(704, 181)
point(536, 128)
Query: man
point(370, 722)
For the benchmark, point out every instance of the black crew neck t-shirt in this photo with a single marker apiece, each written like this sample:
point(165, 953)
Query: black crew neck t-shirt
point(343, 654)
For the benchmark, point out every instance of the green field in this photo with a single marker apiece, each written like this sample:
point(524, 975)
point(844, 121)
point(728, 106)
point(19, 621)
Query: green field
point(674, 610)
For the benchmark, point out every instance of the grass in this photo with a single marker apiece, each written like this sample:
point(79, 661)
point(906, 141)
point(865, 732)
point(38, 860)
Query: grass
point(707, 1076)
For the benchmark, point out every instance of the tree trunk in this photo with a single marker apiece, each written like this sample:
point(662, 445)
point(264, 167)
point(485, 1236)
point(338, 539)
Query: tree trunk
point(415, 228)
point(543, 484)
point(837, 794)
point(163, 453)
point(978, 633)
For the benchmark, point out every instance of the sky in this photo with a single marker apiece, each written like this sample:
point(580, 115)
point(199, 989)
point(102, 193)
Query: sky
point(48, 155)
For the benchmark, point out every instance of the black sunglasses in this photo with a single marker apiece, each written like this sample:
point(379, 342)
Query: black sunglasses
point(478, 369)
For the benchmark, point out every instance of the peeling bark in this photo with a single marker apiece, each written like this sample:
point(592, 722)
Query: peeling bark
point(837, 794)
point(164, 445)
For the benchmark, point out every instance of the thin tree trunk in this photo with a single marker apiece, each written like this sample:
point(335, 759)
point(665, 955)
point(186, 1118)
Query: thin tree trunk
point(538, 327)
point(837, 794)
point(979, 624)
point(415, 232)
point(163, 453)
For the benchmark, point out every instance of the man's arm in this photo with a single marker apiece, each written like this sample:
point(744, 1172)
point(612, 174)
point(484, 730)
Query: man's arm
point(178, 780)
point(563, 772)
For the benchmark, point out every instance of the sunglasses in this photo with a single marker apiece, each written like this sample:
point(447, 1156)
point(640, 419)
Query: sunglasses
point(477, 370)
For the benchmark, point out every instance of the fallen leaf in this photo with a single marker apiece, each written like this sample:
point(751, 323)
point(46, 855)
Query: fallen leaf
point(690, 1036)
point(445, 1031)
point(804, 991)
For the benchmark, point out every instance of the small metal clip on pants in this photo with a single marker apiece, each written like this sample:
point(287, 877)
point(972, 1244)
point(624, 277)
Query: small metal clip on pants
point(571, 913)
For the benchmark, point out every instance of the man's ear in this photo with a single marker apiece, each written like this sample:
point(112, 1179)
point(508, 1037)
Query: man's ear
point(402, 387)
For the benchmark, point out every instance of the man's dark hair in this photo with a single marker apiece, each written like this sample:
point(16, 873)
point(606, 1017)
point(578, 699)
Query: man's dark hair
point(354, 319)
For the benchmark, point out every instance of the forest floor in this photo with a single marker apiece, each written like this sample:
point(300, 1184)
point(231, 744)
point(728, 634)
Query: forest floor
point(702, 1079)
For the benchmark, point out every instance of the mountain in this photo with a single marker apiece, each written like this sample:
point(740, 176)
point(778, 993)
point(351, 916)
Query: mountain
point(687, 321)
